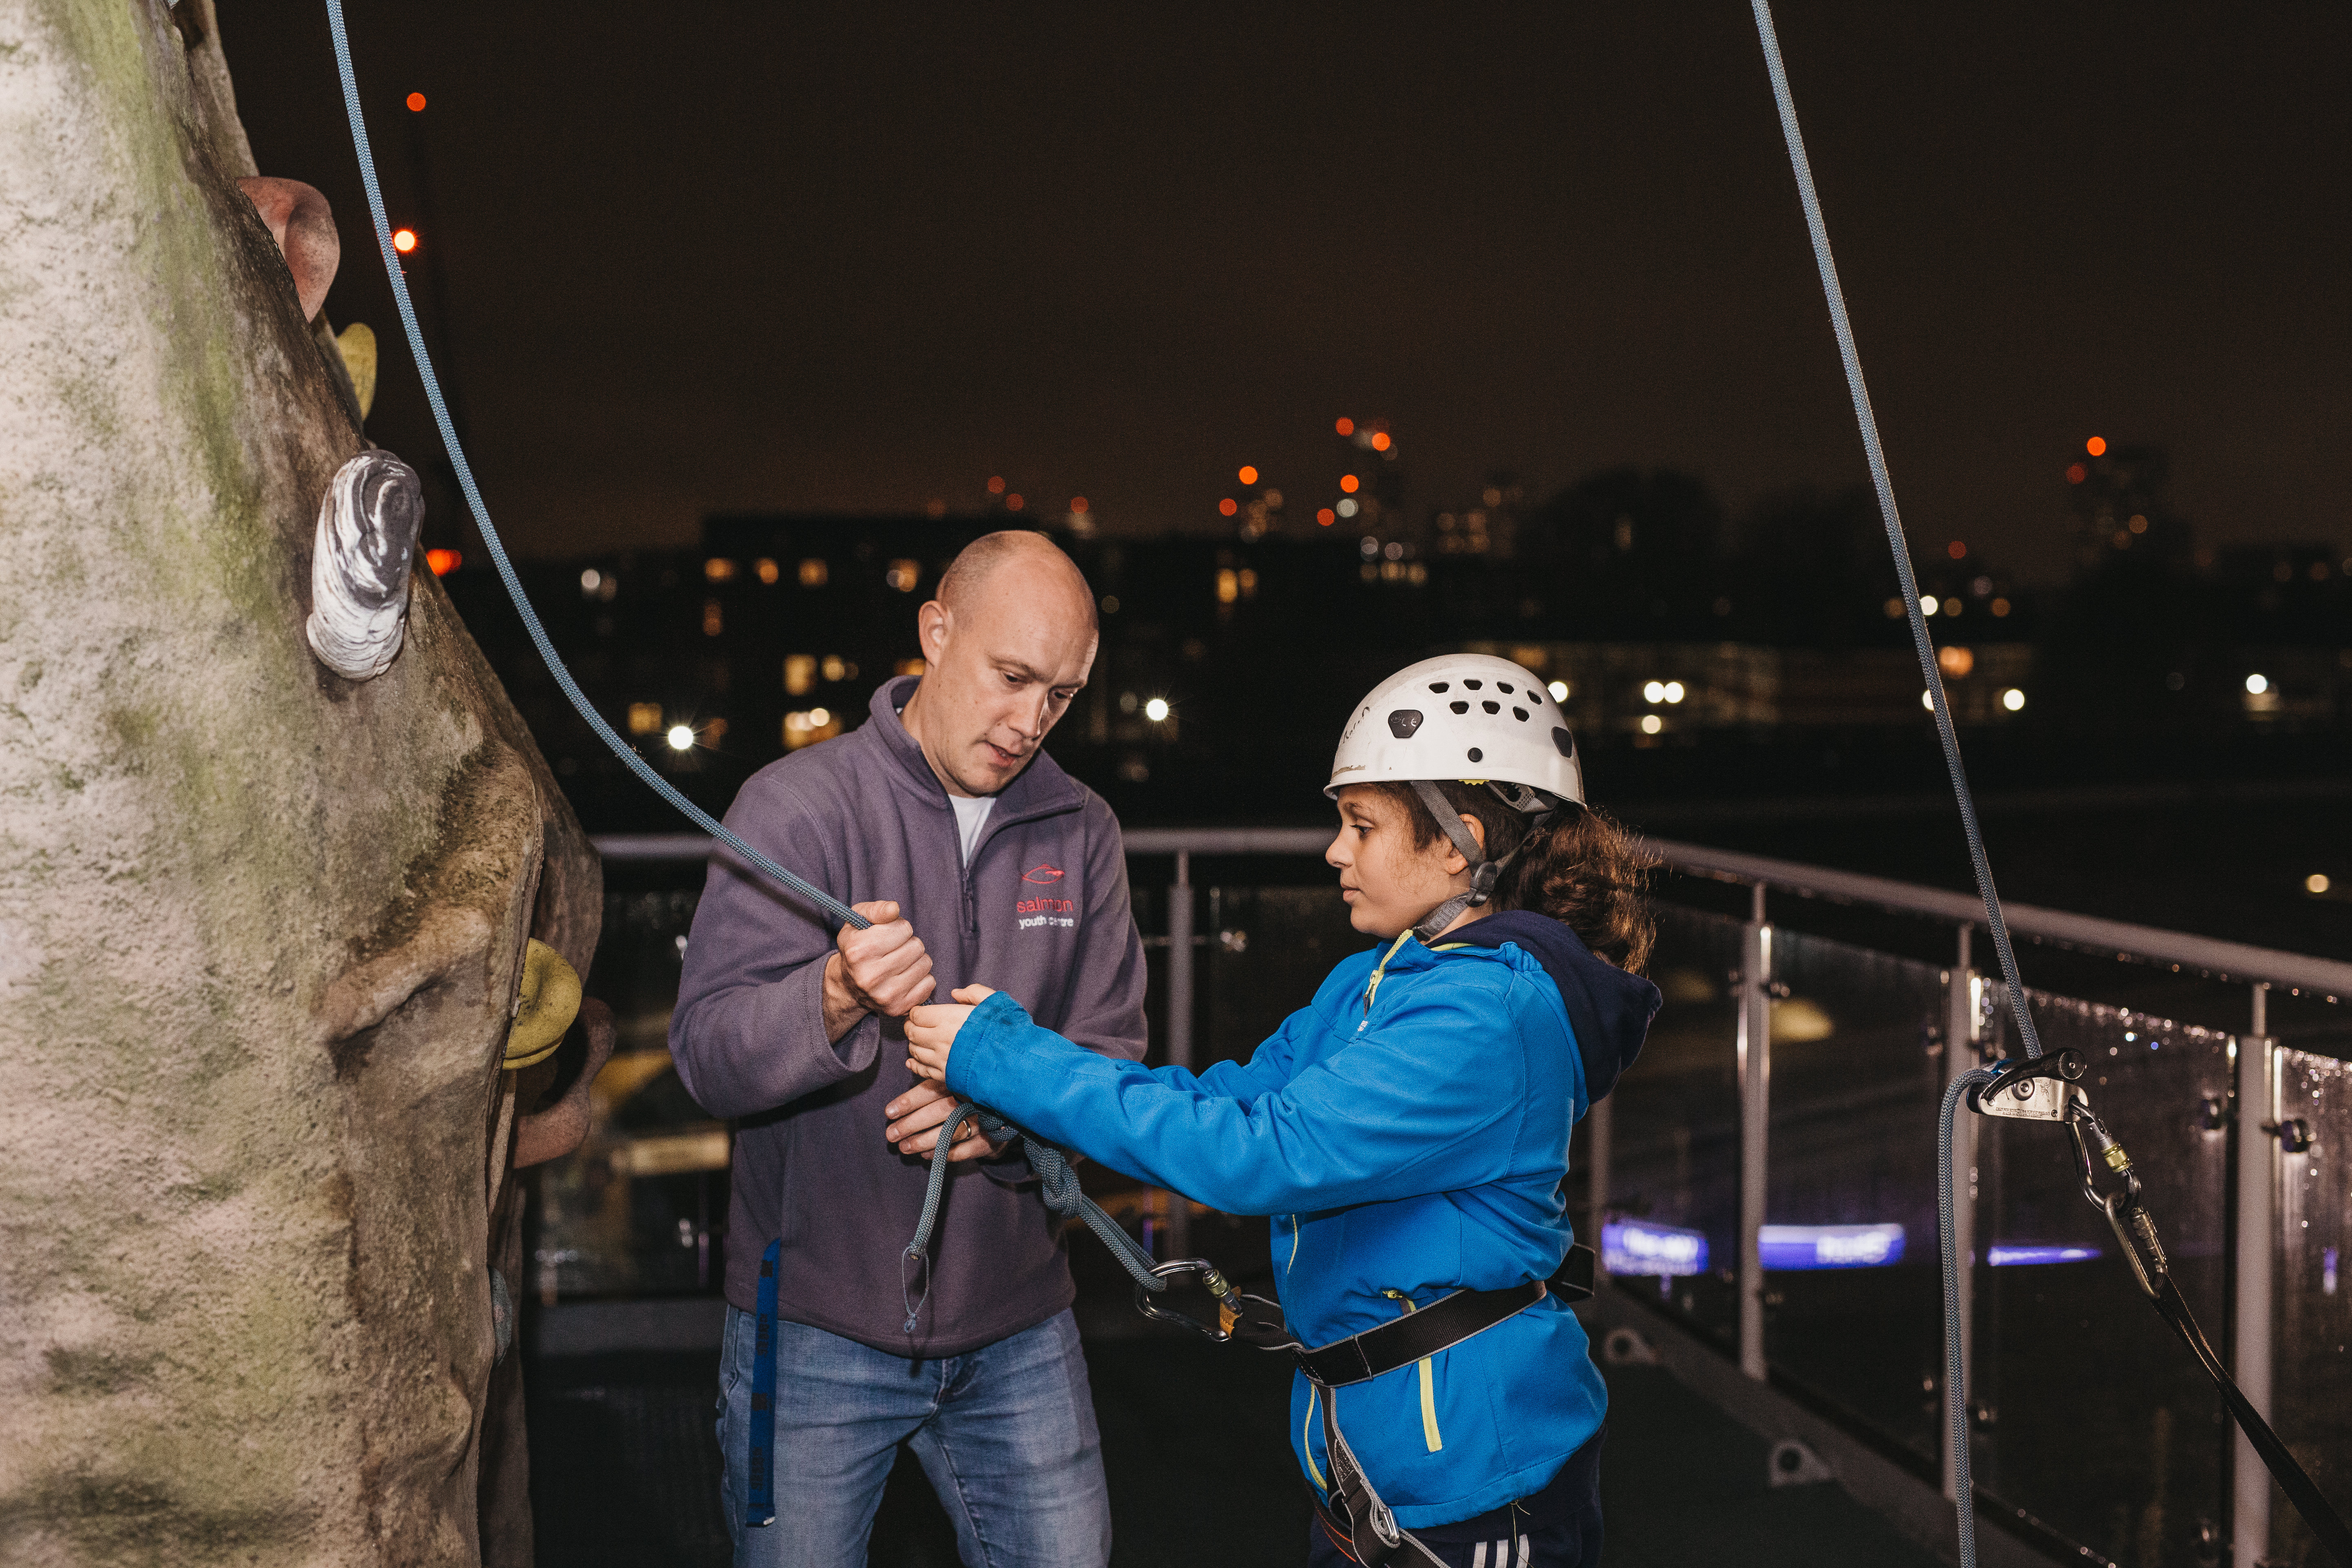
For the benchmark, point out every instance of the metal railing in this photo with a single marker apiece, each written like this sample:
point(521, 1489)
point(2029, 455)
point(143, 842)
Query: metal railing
point(2258, 1110)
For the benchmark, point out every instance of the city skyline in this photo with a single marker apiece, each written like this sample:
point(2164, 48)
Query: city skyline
point(866, 264)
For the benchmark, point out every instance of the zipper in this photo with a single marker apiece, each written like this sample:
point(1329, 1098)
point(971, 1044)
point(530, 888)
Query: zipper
point(1429, 1434)
point(1378, 970)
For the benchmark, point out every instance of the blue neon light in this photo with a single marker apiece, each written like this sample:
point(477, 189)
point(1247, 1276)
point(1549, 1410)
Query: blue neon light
point(2011, 1255)
point(1830, 1246)
point(1637, 1246)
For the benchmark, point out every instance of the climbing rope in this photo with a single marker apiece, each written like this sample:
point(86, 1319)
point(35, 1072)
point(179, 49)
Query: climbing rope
point(572, 692)
point(1055, 1176)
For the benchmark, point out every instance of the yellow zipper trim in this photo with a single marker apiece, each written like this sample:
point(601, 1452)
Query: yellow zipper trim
point(1307, 1438)
point(1294, 1246)
point(1378, 970)
point(1428, 1387)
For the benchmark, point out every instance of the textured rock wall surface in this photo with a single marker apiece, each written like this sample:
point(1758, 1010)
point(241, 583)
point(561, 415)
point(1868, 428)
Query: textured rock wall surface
point(260, 927)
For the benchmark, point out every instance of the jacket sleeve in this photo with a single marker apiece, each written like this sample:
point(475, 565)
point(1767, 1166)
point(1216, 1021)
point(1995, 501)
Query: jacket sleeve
point(749, 1031)
point(1415, 1106)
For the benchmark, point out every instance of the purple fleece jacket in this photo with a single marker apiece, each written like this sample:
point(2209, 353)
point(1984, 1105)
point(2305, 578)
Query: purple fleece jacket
point(1041, 913)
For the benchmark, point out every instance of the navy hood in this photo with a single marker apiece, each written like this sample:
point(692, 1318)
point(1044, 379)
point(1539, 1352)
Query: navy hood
point(1609, 1009)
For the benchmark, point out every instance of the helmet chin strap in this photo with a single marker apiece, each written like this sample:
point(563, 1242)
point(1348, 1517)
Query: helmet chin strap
point(1484, 873)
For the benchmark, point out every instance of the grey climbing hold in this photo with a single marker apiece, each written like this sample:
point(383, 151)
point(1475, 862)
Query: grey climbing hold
point(359, 563)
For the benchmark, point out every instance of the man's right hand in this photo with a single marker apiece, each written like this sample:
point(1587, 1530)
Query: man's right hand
point(883, 970)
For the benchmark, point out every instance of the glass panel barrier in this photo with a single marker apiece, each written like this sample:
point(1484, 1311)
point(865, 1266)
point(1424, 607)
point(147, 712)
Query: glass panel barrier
point(2091, 1417)
point(1675, 1171)
point(2311, 1400)
point(1854, 1291)
point(640, 1207)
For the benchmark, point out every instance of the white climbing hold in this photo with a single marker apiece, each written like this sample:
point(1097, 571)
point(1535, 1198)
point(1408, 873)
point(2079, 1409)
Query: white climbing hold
point(368, 523)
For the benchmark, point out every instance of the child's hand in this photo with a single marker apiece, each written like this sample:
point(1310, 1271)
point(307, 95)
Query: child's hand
point(931, 1031)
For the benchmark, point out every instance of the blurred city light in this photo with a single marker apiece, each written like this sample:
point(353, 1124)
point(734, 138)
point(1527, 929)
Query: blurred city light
point(2257, 684)
point(1348, 482)
point(2317, 882)
point(2076, 473)
point(1347, 507)
point(1248, 475)
point(1830, 1246)
point(1928, 700)
point(1639, 1246)
point(1156, 709)
point(416, 103)
point(1228, 506)
point(996, 485)
point(1379, 440)
point(1559, 690)
point(2012, 1257)
point(1324, 518)
point(1675, 691)
point(1652, 723)
point(2013, 700)
point(1955, 662)
point(591, 580)
point(404, 240)
point(1958, 550)
point(680, 738)
point(1013, 502)
point(1078, 505)
point(1345, 426)
point(441, 563)
point(1927, 605)
point(2096, 445)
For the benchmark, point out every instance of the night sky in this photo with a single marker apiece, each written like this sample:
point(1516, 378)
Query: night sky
point(733, 255)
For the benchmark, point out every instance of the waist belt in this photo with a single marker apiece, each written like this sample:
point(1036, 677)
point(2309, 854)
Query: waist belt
point(1441, 1325)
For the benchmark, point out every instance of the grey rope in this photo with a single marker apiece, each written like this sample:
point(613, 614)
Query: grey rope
point(1818, 229)
point(636, 763)
point(1062, 1195)
point(1884, 486)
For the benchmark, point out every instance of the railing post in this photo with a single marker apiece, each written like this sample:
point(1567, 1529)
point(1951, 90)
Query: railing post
point(1179, 1025)
point(2250, 1528)
point(1754, 1104)
point(1960, 1017)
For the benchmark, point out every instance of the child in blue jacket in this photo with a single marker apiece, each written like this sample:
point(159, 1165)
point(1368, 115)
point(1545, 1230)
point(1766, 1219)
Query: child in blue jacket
point(1407, 1132)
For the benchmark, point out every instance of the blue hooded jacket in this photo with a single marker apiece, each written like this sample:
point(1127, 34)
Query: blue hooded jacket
point(1407, 1132)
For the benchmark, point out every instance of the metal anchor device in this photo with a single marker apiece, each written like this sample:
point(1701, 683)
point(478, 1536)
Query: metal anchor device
point(2045, 1088)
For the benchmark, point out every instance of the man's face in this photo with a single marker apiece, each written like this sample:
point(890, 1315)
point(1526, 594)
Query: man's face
point(1002, 672)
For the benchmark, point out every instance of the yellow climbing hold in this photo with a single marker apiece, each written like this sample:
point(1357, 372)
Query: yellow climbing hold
point(357, 343)
point(550, 1001)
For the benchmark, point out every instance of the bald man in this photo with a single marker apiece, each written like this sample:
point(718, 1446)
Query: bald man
point(943, 822)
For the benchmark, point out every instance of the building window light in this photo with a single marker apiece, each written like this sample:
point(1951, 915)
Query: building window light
point(768, 571)
point(814, 572)
point(1229, 585)
point(1652, 723)
point(644, 718)
point(718, 569)
point(903, 575)
point(714, 618)
point(809, 726)
point(800, 674)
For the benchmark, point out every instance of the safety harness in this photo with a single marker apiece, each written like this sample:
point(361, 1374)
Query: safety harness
point(1484, 873)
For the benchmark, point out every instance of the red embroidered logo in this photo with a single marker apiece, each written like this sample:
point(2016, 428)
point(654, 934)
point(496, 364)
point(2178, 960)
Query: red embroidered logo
point(1041, 872)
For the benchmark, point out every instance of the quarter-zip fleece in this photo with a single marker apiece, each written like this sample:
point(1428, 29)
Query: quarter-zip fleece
point(1041, 913)
point(1408, 1132)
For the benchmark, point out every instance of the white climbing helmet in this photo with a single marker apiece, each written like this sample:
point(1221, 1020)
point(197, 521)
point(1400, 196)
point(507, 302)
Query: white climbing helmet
point(1464, 716)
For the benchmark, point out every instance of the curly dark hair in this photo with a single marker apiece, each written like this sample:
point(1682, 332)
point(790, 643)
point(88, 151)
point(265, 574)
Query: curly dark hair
point(1583, 869)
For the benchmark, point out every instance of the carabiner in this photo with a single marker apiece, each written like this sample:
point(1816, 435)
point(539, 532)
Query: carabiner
point(1212, 1280)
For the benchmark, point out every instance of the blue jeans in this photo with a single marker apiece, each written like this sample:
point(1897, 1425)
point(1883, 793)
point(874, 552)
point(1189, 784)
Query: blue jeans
point(1006, 1433)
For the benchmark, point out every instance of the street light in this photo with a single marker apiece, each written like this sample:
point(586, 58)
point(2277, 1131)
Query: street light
point(1156, 709)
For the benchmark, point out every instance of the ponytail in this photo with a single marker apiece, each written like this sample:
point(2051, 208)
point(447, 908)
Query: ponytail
point(1582, 868)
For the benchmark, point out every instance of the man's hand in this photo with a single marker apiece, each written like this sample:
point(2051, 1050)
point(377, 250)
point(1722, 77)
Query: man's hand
point(883, 970)
point(915, 1123)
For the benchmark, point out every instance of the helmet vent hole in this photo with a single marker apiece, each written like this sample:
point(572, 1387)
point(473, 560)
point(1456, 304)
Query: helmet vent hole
point(1564, 741)
point(1472, 685)
point(1459, 707)
point(1504, 687)
point(1492, 707)
point(1520, 714)
point(1439, 685)
point(1475, 755)
point(1403, 722)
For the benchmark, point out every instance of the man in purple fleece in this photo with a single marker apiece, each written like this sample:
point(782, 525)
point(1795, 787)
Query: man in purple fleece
point(942, 821)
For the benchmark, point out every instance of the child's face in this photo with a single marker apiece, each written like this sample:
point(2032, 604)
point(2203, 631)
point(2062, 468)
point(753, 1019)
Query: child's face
point(1389, 881)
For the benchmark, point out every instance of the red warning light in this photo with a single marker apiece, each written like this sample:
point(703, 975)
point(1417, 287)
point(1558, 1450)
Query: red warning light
point(1013, 502)
point(2096, 445)
point(1326, 516)
point(404, 240)
point(2076, 473)
point(1958, 550)
point(1345, 426)
point(441, 563)
point(416, 103)
point(996, 485)
point(1228, 506)
point(1078, 504)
